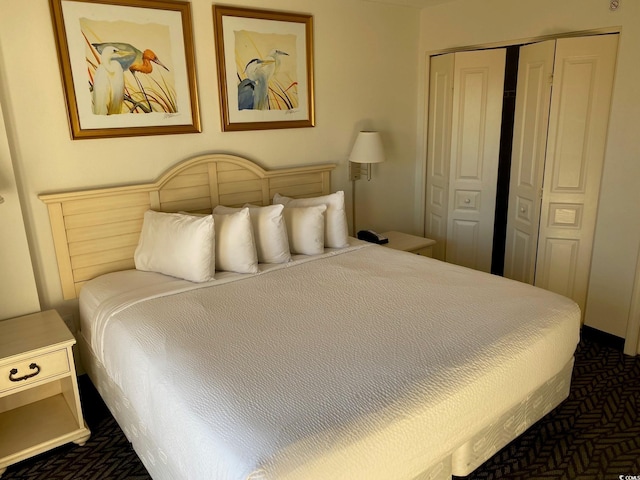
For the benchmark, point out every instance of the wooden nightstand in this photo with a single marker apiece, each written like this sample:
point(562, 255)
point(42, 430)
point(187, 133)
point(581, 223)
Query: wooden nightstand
point(410, 243)
point(39, 401)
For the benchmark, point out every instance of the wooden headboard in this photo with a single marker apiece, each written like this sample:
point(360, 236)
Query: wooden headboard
point(96, 231)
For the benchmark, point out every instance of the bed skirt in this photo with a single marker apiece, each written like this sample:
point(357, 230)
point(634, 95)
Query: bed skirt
point(461, 462)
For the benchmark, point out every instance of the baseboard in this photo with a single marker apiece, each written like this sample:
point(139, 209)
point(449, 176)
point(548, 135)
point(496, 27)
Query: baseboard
point(603, 338)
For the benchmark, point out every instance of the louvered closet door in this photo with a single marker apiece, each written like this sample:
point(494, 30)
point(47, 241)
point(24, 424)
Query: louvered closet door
point(533, 99)
point(578, 122)
point(476, 120)
point(438, 150)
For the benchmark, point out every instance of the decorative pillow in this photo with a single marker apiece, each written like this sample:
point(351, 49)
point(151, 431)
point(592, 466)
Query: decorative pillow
point(235, 246)
point(336, 228)
point(178, 245)
point(305, 228)
point(269, 231)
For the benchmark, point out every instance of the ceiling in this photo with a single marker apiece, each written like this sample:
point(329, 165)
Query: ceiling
point(413, 3)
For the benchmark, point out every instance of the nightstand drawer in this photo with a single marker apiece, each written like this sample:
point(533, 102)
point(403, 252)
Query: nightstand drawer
point(425, 252)
point(34, 369)
point(410, 243)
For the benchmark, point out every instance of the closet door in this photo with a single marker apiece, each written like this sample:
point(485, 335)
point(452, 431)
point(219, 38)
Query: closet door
point(582, 85)
point(533, 99)
point(438, 150)
point(476, 120)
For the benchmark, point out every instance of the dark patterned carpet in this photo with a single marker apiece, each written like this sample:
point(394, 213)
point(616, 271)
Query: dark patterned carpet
point(594, 434)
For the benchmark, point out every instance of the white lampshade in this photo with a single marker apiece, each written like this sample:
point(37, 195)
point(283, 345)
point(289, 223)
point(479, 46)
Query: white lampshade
point(367, 148)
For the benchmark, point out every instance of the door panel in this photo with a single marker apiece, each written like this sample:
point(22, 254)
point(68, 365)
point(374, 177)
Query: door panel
point(560, 265)
point(438, 150)
point(478, 84)
point(533, 99)
point(583, 81)
point(466, 249)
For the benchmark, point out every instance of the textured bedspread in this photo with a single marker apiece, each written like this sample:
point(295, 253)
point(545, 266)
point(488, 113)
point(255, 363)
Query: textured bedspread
point(369, 364)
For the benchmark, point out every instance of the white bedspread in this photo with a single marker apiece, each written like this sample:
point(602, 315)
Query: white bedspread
point(366, 364)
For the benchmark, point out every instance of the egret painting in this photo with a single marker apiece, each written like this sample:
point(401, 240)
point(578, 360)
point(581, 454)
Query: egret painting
point(265, 68)
point(127, 66)
point(129, 58)
point(121, 75)
point(108, 83)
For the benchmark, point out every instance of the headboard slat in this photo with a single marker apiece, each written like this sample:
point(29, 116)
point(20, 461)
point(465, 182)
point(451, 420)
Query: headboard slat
point(96, 231)
point(310, 178)
point(240, 186)
point(240, 198)
point(116, 215)
point(122, 252)
point(185, 193)
point(306, 190)
point(188, 180)
point(229, 176)
point(87, 273)
point(106, 231)
point(103, 244)
point(100, 204)
point(187, 205)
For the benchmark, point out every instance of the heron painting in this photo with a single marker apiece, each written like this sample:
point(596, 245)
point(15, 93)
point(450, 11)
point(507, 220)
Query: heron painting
point(266, 81)
point(265, 68)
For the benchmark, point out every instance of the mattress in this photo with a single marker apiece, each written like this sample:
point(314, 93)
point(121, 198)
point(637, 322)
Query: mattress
point(361, 363)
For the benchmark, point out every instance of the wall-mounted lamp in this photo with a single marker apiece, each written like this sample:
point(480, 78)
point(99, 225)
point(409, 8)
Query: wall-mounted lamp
point(366, 150)
point(1, 199)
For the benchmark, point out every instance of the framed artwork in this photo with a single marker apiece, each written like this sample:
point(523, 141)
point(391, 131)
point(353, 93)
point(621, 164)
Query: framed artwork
point(265, 68)
point(127, 67)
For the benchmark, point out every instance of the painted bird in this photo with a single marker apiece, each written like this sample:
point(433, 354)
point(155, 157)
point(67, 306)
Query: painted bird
point(246, 89)
point(260, 72)
point(134, 60)
point(108, 83)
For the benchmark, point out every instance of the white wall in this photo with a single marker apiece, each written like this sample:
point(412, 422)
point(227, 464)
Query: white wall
point(365, 76)
point(18, 293)
point(470, 23)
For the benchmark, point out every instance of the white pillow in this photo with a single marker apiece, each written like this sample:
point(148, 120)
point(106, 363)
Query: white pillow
point(336, 228)
point(178, 245)
point(305, 228)
point(235, 246)
point(269, 231)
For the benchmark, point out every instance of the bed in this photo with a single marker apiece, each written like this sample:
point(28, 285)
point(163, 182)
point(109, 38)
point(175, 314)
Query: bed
point(357, 361)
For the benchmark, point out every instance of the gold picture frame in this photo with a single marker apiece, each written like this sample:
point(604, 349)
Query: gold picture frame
point(265, 68)
point(127, 67)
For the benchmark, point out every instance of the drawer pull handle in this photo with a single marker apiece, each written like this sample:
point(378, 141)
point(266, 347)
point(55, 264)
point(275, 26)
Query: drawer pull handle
point(13, 371)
